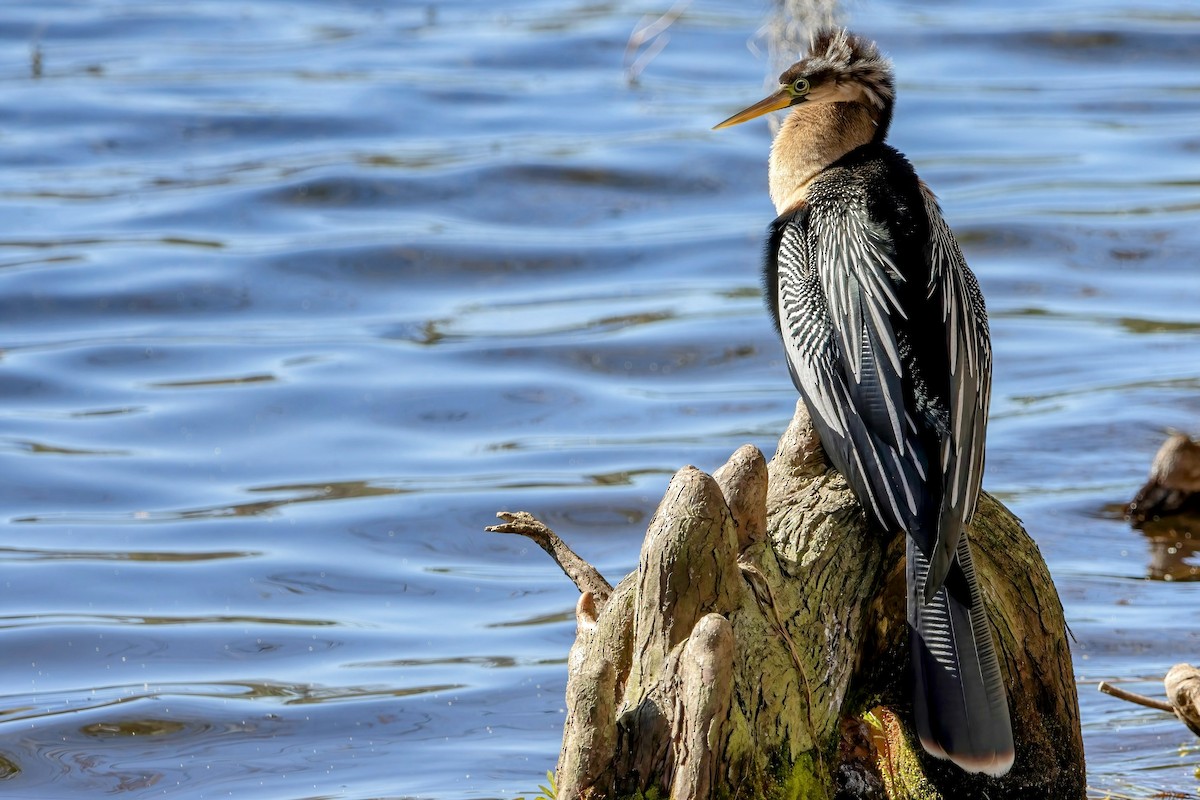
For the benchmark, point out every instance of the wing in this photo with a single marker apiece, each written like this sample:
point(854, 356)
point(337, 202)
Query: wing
point(835, 299)
point(953, 289)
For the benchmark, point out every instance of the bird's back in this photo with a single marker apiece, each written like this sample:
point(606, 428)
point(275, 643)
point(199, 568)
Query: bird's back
point(847, 280)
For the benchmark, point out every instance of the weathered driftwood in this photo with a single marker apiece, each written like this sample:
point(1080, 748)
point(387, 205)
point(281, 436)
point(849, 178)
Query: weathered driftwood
point(759, 650)
point(1167, 510)
point(1174, 482)
point(1182, 683)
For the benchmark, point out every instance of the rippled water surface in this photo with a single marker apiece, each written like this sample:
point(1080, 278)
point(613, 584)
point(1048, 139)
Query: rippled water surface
point(295, 295)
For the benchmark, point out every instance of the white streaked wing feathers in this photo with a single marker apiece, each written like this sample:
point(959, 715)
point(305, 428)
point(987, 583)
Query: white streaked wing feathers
point(840, 270)
point(965, 317)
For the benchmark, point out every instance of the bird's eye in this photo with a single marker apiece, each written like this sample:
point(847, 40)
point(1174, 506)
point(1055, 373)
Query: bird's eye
point(800, 86)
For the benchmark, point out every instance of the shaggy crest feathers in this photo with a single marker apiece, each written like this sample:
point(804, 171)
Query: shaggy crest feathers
point(838, 55)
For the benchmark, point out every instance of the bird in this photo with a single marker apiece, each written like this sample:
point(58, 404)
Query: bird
point(886, 335)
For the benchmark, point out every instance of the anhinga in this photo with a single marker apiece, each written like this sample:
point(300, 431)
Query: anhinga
point(887, 340)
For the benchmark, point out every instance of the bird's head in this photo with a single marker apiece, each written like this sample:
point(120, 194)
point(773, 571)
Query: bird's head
point(840, 67)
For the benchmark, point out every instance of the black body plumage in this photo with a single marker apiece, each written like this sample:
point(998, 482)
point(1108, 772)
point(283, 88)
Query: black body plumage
point(887, 341)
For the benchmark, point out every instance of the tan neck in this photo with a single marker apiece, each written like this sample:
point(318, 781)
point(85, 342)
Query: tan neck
point(811, 138)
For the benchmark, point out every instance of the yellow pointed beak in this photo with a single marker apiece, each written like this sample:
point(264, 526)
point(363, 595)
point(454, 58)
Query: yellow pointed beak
point(781, 99)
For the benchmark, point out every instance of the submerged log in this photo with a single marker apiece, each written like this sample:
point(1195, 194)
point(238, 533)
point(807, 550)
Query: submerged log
point(1174, 482)
point(760, 649)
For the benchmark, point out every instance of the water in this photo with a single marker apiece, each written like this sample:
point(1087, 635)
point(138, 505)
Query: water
point(295, 295)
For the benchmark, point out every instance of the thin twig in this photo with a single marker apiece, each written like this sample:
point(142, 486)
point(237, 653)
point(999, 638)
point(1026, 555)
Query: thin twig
point(581, 573)
point(1132, 697)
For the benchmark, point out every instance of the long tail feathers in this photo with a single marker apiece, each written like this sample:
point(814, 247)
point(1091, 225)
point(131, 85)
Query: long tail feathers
point(959, 700)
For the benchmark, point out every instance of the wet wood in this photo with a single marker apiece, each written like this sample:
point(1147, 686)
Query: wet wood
point(760, 648)
point(1174, 482)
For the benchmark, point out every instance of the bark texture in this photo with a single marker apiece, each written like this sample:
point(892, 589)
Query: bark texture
point(760, 650)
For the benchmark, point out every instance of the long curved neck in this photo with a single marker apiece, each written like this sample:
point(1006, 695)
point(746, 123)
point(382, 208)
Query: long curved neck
point(811, 138)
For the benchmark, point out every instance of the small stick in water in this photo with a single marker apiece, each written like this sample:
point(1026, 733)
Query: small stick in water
point(1133, 697)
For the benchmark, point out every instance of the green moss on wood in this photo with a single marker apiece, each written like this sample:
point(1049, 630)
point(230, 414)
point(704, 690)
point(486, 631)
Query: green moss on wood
point(653, 793)
point(804, 779)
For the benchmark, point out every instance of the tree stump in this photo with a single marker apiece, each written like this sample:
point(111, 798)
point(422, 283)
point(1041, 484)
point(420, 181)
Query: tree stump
point(760, 649)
